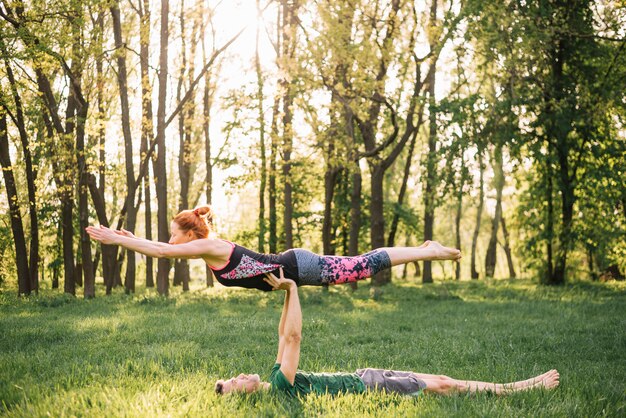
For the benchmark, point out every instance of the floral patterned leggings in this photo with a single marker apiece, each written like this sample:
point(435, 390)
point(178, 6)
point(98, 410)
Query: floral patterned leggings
point(316, 269)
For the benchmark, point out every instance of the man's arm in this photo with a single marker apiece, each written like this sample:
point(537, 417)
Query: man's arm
point(281, 329)
point(290, 327)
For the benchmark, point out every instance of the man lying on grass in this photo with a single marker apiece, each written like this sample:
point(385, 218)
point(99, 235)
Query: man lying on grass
point(285, 377)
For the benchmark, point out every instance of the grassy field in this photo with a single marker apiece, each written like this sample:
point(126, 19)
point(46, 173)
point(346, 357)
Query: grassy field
point(144, 355)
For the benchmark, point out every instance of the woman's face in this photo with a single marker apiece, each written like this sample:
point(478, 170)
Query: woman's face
point(178, 235)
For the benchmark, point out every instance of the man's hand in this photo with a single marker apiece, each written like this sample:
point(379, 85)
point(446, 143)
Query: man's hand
point(279, 283)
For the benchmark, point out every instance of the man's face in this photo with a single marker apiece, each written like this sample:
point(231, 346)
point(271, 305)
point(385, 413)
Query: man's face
point(245, 383)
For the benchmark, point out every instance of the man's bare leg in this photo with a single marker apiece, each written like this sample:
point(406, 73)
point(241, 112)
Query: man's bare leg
point(446, 385)
point(429, 250)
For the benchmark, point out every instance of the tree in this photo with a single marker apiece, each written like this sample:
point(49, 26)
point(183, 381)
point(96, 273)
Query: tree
point(21, 258)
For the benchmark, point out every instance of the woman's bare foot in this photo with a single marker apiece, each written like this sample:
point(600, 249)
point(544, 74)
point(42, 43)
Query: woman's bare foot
point(439, 252)
point(549, 381)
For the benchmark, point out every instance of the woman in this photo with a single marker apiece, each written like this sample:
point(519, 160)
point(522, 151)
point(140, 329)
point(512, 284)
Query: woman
point(234, 265)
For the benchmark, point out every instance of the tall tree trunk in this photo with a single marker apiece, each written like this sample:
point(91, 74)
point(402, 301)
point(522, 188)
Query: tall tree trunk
point(479, 212)
point(459, 213)
point(146, 124)
point(21, 258)
point(491, 257)
point(109, 252)
point(272, 189)
point(507, 249)
point(89, 289)
point(131, 216)
point(84, 268)
point(592, 272)
point(67, 196)
point(289, 27)
point(567, 212)
point(261, 120)
point(377, 216)
point(160, 172)
point(391, 240)
point(181, 267)
point(206, 113)
point(549, 223)
point(207, 103)
point(273, 171)
point(355, 214)
point(330, 181)
point(431, 162)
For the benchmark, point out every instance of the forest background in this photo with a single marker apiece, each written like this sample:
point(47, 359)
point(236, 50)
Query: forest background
point(338, 126)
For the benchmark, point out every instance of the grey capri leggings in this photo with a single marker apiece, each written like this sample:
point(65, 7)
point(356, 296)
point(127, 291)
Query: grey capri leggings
point(314, 269)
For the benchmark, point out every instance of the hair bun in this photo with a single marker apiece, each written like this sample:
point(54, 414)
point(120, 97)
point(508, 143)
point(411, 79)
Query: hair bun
point(205, 212)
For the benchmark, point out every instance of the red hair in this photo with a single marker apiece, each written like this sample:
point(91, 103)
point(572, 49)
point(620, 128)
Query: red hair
point(198, 220)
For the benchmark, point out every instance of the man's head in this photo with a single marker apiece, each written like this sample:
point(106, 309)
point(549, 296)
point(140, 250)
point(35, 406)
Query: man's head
point(244, 383)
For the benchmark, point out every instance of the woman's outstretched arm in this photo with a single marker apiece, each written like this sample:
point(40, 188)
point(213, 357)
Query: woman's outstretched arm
point(193, 249)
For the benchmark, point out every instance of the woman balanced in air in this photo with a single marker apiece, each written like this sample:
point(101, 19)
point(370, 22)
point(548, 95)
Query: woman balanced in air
point(234, 265)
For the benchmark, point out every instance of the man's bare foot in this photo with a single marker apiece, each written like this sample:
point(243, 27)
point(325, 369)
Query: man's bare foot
point(439, 252)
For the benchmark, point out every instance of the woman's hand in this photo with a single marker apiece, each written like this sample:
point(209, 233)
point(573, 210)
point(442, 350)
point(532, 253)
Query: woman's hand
point(102, 234)
point(124, 233)
point(279, 283)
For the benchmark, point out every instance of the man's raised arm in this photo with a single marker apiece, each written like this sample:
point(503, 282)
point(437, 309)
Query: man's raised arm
point(289, 328)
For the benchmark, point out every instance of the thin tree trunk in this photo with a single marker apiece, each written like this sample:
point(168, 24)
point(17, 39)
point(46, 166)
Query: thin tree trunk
point(109, 252)
point(431, 164)
point(261, 120)
point(289, 28)
point(89, 290)
point(567, 212)
point(67, 197)
point(207, 103)
point(549, 223)
point(377, 216)
point(405, 180)
point(272, 190)
point(146, 125)
point(181, 267)
point(273, 171)
point(160, 171)
point(131, 216)
point(479, 213)
point(429, 190)
point(459, 214)
point(491, 257)
point(330, 181)
point(507, 250)
point(21, 258)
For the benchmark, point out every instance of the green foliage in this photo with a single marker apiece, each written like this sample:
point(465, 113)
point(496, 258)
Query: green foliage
point(145, 355)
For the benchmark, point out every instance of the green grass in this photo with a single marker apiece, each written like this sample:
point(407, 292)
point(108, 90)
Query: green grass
point(143, 355)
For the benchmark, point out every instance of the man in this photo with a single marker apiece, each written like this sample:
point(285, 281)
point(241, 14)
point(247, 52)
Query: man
point(285, 377)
